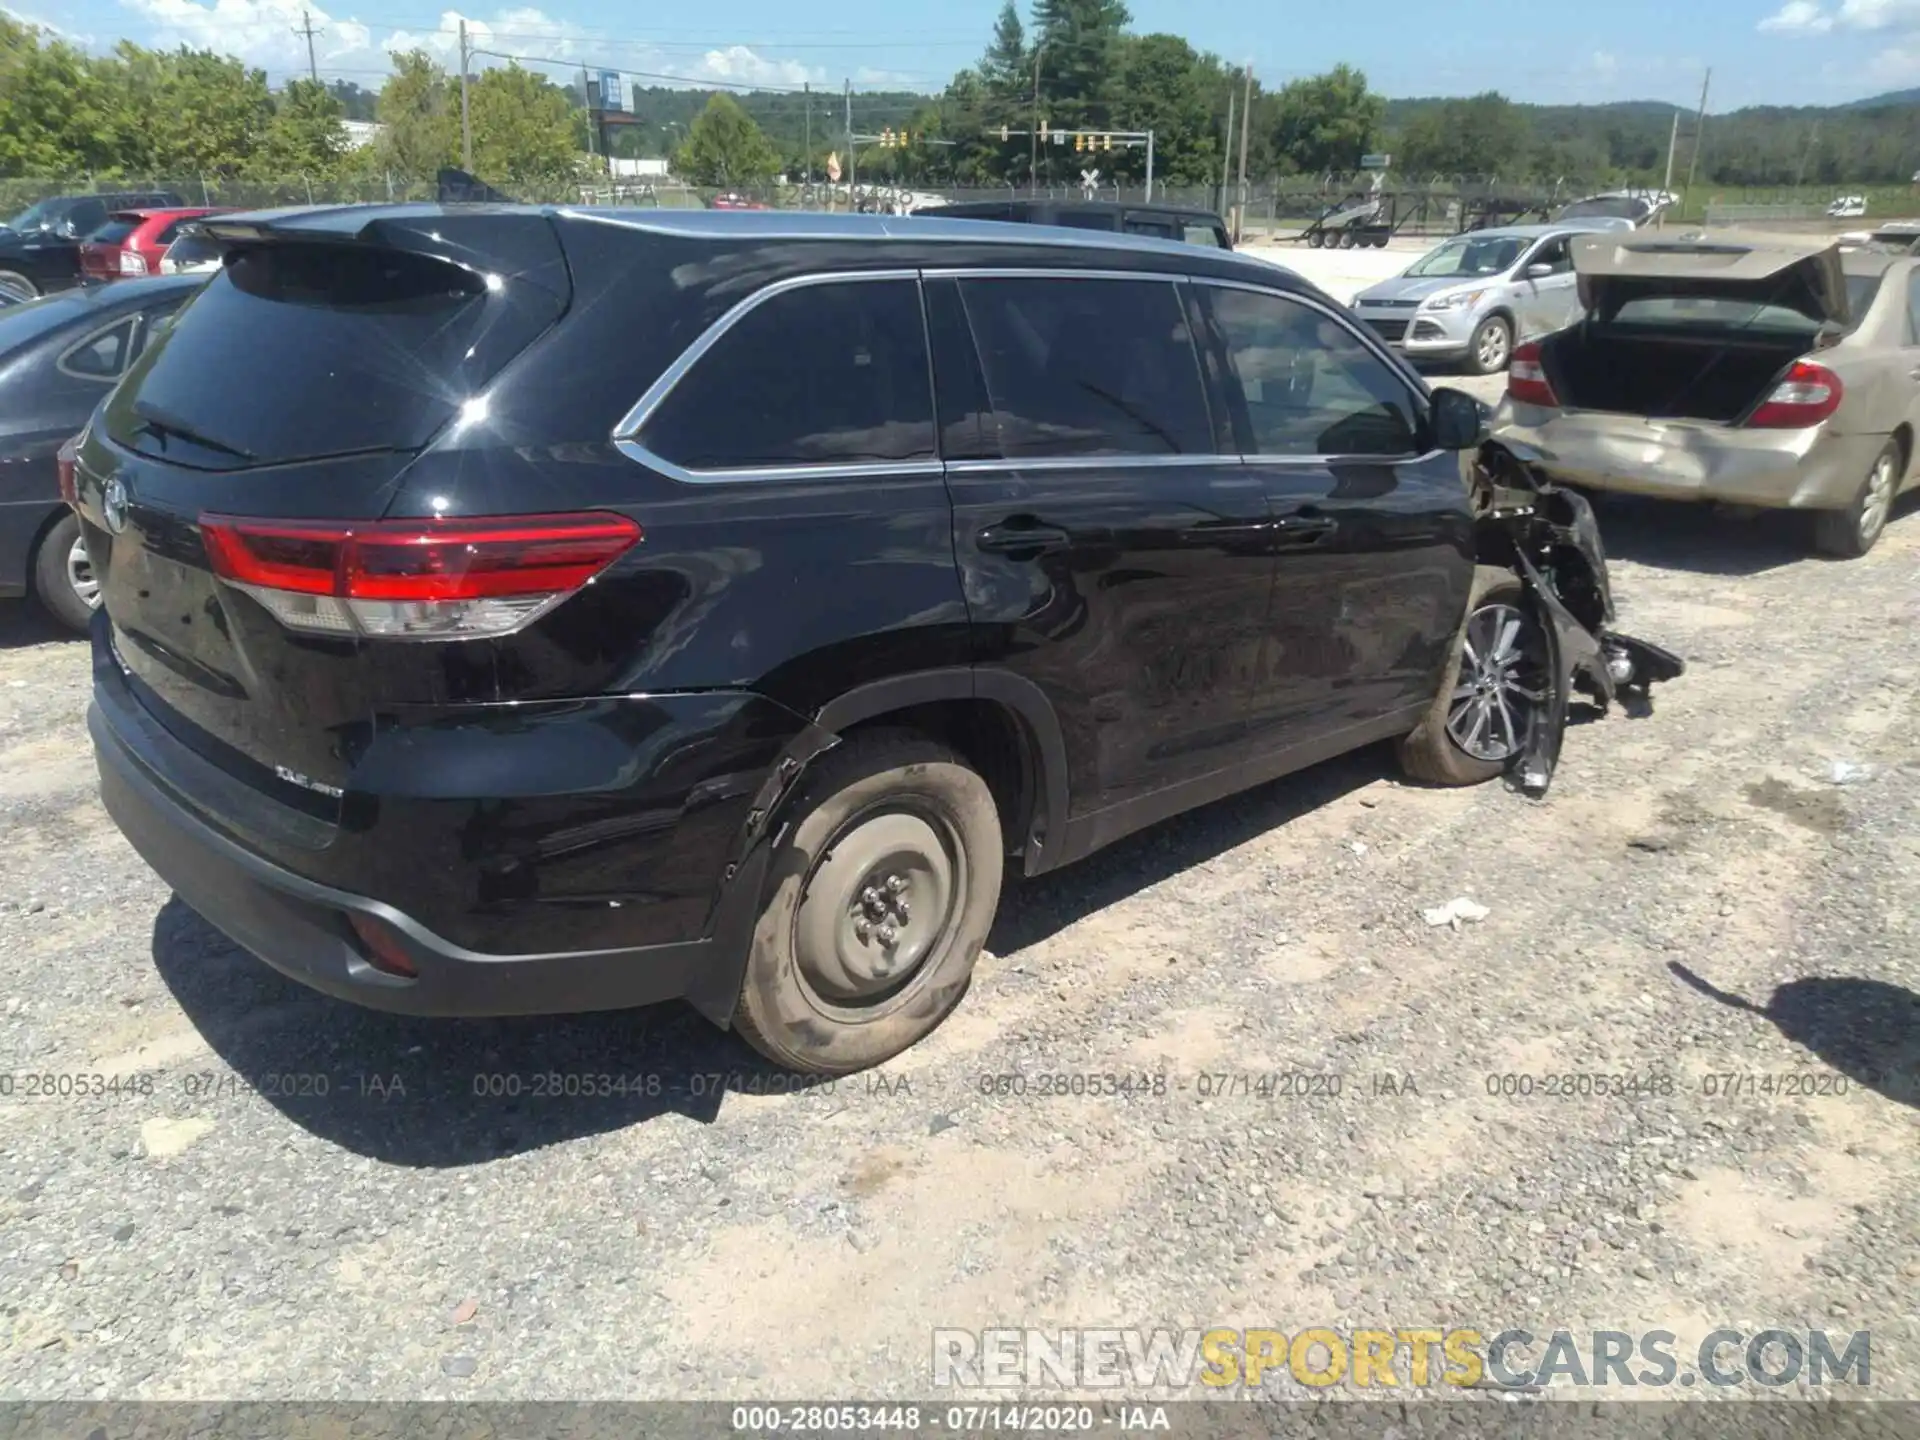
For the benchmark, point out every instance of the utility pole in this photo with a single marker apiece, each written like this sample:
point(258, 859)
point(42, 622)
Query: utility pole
point(850, 165)
point(1699, 134)
point(586, 98)
point(466, 117)
point(807, 90)
point(1033, 133)
point(1812, 144)
point(306, 29)
point(1226, 165)
point(1666, 187)
point(1246, 125)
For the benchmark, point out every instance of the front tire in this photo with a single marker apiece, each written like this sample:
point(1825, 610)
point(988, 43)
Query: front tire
point(876, 906)
point(13, 283)
point(1491, 346)
point(1494, 690)
point(63, 579)
point(1850, 533)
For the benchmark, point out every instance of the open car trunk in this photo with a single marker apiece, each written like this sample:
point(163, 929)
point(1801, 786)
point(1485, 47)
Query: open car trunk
point(1666, 373)
point(1694, 326)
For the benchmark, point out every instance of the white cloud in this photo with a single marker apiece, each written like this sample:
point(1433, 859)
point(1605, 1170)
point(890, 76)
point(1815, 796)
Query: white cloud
point(1606, 63)
point(57, 31)
point(1878, 14)
point(264, 33)
point(1798, 17)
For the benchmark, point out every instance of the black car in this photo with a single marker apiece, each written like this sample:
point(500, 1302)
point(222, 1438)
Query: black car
point(1161, 222)
point(603, 607)
point(59, 357)
point(40, 247)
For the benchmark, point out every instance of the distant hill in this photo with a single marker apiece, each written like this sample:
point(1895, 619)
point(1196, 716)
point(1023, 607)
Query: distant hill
point(1886, 101)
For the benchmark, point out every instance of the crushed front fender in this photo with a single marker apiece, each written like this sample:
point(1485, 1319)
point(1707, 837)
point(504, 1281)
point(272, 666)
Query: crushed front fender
point(1548, 535)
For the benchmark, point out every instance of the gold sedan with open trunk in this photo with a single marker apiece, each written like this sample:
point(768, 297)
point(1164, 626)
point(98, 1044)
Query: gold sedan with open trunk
point(1731, 368)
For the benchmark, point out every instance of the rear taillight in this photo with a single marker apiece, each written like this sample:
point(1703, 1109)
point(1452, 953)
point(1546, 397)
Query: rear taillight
point(384, 949)
point(1527, 382)
point(132, 263)
point(69, 462)
point(415, 579)
point(1806, 395)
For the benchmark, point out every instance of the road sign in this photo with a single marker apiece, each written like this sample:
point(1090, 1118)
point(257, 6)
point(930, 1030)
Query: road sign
point(1376, 162)
point(1089, 182)
point(611, 96)
point(833, 167)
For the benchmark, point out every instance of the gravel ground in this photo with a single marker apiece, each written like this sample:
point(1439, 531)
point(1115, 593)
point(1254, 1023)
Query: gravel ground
point(1721, 887)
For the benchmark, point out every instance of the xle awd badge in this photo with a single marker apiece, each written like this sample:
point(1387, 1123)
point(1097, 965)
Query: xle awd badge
point(113, 505)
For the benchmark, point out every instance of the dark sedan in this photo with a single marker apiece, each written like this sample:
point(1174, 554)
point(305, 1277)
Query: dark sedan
point(59, 357)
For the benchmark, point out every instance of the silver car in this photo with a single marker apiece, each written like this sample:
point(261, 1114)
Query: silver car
point(1477, 295)
point(1742, 369)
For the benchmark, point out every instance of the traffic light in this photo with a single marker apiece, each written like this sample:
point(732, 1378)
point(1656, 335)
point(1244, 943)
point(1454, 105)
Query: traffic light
point(1109, 143)
point(1003, 134)
point(1079, 142)
point(886, 139)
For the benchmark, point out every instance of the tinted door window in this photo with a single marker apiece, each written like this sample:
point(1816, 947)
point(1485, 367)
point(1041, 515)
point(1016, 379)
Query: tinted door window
point(103, 355)
point(1088, 367)
point(830, 374)
point(87, 216)
point(1159, 229)
point(1304, 383)
point(1203, 235)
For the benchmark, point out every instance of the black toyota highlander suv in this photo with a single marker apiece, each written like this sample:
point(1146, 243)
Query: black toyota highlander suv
point(512, 610)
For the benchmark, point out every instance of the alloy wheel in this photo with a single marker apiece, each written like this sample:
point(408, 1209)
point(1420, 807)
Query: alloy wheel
point(1879, 500)
point(1502, 686)
point(1492, 350)
point(81, 577)
point(18, 287)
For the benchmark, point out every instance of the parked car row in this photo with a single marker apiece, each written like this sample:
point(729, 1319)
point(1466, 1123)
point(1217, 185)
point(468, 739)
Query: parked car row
point(882, 555)
point(69, 240)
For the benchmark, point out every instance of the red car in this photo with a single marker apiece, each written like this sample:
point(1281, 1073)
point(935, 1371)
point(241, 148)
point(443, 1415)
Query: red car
point(132, 242)
point(733, 200)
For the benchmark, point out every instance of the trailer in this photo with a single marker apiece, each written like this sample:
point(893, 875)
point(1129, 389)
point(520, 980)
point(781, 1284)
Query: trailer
point(1359, 221)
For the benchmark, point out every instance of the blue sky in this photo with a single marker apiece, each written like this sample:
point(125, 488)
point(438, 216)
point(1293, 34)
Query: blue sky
point(1761, 51)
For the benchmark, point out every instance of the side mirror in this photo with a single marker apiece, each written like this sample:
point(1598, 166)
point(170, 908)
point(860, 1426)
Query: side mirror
point(1539, 270)
point(1458, 421)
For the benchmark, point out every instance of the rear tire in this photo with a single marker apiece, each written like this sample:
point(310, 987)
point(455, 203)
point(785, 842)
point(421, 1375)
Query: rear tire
point(62, 573)
point(1850, 533)
point(875, 908)
point(1431, 753)
point(18, 285)
point(1316, 239)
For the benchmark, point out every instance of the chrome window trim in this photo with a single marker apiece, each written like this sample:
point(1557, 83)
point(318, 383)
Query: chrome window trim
point(627, 429)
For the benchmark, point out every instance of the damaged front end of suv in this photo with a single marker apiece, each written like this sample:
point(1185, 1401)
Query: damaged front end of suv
point(1547, 535)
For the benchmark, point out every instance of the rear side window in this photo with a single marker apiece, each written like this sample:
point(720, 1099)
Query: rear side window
point(170, 233)
point(1088, 367)
point(367, 349)
point(114, 231)
point(1307, 384)
point(87, 216)
point(1159, 229)
point(104, 354)
point(193, 247)
point(827, 374)
point(1203, 235)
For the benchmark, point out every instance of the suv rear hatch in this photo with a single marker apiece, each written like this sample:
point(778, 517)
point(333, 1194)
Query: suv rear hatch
point(288, 397)
point(1696, 327)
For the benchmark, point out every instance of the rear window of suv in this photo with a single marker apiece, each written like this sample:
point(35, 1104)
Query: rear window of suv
point(296, 351)
point(113, 232)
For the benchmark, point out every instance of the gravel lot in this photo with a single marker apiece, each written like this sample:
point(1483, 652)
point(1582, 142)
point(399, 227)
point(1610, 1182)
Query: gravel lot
point(234, 1234)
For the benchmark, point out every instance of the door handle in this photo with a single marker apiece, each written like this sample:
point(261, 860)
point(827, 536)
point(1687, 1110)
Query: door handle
point(1303, 529)
point(1022, 537)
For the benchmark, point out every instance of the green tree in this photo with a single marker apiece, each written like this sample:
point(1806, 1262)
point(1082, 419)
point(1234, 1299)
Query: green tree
point(421, 117)
point(725, 147)
point(39, 131)
point(1486, 135)
point(304, 137)
point(1080, 53)
point(1325, 122)
point(522, 127)
point(1006, 69)
point(1170, 89)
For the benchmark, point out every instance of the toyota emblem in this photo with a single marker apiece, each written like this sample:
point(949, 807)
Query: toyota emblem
point(113, 505)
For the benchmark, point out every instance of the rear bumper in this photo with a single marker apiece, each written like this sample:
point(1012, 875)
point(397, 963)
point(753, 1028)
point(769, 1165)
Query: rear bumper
point(1682, 460)
point(300, 928)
